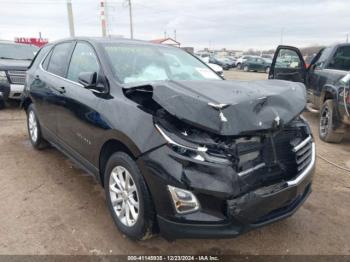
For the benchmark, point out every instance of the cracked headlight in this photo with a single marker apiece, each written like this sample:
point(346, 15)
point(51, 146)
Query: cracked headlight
point(199, 153)
point(3, 77)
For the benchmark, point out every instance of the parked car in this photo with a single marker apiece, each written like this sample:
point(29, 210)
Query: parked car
point(178, 149)
point(242, 59)
point(218, 69)
point(14, 60)
point(257, 64)
point(224, 63)
point(232, 60)
point(327, 84)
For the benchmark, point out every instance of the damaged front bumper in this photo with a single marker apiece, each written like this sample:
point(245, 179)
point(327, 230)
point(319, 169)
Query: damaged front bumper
point(253, 210)
point(220, 214)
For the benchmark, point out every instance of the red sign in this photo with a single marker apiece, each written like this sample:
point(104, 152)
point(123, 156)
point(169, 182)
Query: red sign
point(33, 41)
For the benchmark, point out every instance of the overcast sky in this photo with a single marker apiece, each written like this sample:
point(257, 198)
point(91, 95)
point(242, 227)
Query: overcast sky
point(236, 24)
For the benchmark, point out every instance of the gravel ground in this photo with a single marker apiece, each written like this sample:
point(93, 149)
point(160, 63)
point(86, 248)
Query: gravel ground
point(48, 206)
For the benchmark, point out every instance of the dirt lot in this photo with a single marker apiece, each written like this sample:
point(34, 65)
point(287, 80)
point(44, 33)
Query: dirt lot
point(48, 206)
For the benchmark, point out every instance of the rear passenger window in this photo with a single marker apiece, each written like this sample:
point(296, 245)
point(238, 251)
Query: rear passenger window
point(341, 59)
point(39, 55)
point(46, 61)
point(59, 59)
point(83, 60)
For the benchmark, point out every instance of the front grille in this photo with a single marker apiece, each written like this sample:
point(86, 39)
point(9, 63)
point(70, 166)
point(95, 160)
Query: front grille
point(17, 77)
point(281, 156)
point(303, 154)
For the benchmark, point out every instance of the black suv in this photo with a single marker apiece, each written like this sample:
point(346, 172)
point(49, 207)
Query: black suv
point(327, 82)
point(14, 60)
point(178, 149)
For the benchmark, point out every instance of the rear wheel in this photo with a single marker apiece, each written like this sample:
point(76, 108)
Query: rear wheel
point(128, 198)
point(2, 102)
point(34, 129)
point(327, 132)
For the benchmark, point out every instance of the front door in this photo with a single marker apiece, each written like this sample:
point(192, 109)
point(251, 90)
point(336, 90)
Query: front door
point(79, 121)
point(288, 64)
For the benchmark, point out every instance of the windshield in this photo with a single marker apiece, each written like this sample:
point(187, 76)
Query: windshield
point(140, 63)
point(15, 51)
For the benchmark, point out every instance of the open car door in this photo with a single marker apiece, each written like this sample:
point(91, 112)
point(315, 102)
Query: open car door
point(288, 64)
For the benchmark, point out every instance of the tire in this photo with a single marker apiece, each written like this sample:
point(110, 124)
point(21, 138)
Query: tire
point(141, 227)
point(326, 129)
point(267, 70)
point(34, 130)
point(245, 68)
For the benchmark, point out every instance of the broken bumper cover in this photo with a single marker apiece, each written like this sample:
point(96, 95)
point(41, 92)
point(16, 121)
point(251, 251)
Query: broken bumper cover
point(270, 208)
point(232, 216)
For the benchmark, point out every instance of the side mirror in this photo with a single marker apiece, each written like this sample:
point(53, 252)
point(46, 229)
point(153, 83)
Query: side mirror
point(91, 81)
point(88, 79)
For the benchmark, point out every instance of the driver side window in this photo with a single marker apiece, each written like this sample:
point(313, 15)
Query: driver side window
point(83, 60)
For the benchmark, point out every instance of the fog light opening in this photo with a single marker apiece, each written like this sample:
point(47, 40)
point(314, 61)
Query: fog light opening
point(184, 200)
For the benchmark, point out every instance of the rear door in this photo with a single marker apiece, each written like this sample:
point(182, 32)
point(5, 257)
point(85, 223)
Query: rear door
point(48, 83)
point(260, 66)
point(252, 63)
point(288, 64)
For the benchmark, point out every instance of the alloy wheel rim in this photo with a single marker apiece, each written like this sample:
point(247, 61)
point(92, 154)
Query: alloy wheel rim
point(33, 126)
point(324, 121)
point(124, 196)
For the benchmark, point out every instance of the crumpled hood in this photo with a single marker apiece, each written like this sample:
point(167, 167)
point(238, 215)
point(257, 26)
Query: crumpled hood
point(231, 107)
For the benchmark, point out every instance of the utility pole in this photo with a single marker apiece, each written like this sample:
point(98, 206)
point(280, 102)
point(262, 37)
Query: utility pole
point(130, 17)
point(175, 34)
point(347, 38)
point(103, 17)
point(282, 31)
point(70, 18)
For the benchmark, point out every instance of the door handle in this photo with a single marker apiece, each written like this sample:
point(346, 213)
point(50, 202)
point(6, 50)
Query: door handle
point(62, 90)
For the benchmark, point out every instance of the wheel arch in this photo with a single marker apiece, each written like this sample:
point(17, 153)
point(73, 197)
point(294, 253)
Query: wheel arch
point(328, 92)
point(25, 103)
point(331, 92)
point(110, 147)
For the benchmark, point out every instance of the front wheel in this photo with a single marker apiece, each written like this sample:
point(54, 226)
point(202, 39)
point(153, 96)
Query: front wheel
point(327, 132)
point(128, 198)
